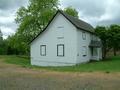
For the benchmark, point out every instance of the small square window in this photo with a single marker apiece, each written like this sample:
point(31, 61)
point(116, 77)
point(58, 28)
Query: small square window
point(60, 50)
point(43, 50)
point(84, 35)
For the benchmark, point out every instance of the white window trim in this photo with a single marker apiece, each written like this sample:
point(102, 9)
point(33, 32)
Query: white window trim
point(84, 35)
point(63, 54)
point(42, 50)
point(84, 51)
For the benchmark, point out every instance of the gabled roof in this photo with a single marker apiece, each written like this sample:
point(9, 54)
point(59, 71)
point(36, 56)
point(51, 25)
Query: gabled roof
point(75, 21)
point(78, 23)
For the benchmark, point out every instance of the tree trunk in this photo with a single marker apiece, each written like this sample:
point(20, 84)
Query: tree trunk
point(104, 52)
point(115, 52)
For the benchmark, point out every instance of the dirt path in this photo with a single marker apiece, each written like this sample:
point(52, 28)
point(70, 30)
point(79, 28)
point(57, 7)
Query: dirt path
point(13, 77)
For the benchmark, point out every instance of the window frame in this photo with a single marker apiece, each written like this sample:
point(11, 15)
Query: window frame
point(85, 48)
point(63, 50)
point(41, 50)
point(84, 35)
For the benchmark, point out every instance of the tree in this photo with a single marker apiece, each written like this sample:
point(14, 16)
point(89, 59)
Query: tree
point(1, 36)
point(33, 19)
point(110, 37)
point(114, 37)
point(102, 32)
point(71, 11)
point(3, 47)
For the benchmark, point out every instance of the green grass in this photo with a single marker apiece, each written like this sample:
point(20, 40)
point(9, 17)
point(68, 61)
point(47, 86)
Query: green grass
point(18, 60)
point(110, 65)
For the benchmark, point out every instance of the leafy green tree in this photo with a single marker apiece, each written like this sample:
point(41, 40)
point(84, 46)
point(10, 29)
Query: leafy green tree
point(71, 11)
point(114, 37)
point(1, 36)
point(35, 17)
point(15, 46)
point(3, 47)
point(102, 32)
point(32, 20)
point(1, 42)
point(110, 37)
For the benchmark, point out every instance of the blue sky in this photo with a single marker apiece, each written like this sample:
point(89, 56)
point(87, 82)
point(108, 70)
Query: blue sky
point(95, 12)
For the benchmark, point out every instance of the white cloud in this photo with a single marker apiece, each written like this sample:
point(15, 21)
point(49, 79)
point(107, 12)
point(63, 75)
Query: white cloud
point(7, 31)
point(8, 10)
point(12, 4)
point(5, 20)
point(96, 12)
point(7, 24)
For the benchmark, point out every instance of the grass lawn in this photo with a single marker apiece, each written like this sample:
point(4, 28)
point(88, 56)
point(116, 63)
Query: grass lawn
point(110, 65)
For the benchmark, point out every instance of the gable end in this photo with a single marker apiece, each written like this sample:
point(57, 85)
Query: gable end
point(70, 19)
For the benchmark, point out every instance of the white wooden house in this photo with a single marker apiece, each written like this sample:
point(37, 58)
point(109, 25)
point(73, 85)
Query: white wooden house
point(65, 41)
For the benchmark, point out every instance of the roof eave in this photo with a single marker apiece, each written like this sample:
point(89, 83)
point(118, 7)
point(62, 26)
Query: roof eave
point(85, 30)
point(45, 27)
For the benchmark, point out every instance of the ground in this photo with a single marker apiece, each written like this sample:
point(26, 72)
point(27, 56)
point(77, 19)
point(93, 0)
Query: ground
point(17, 77)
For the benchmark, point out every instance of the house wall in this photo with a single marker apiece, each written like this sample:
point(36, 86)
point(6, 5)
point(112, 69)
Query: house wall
point(81, 43)
point(60, 31)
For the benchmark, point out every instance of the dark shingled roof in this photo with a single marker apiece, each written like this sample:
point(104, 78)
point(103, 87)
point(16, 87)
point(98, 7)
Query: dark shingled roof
point(78, 23)
point(75, 21)
point(95, 44)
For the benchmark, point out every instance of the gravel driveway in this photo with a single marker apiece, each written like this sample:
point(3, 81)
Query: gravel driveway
point(14, 77)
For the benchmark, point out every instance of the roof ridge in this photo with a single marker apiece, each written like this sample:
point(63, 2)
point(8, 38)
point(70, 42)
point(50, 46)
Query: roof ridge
point(78, 22)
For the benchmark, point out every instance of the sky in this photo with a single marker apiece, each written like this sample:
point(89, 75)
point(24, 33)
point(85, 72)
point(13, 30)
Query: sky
point(95, 12)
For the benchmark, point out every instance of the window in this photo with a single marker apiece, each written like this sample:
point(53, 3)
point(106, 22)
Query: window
point(84, 51)
point(84, 36)
point(94, 51)
point(60, 50)
point(43, 50)
point(60, 31)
